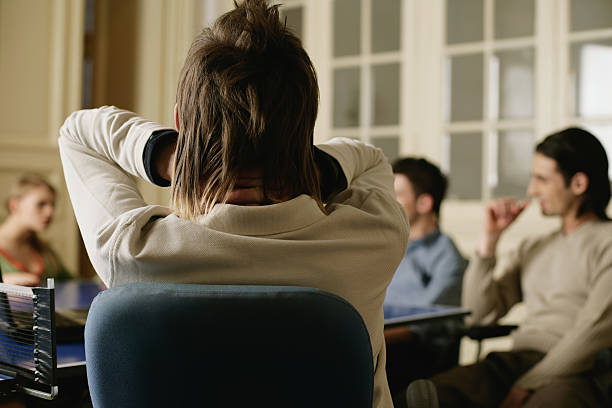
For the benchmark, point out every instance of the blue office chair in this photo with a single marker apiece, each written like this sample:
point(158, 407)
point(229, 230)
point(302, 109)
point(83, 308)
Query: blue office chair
point(179, 345)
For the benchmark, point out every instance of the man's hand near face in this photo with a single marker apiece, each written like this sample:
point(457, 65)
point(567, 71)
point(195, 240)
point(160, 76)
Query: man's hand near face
point(499, 215)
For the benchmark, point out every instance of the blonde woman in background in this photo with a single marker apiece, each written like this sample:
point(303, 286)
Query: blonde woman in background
point(24, 258)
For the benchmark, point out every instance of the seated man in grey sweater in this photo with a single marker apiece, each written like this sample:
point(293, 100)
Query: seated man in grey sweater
point(565, 280)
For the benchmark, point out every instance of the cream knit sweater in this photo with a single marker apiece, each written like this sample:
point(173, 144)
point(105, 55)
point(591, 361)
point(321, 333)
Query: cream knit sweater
point(352, 251)
point(565, 282)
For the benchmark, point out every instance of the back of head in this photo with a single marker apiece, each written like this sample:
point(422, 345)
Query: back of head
point(576, 150)
point(247, 101)
point(425, 177)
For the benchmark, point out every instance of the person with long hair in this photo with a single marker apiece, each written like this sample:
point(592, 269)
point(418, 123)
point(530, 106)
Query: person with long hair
point(25, 259)
point(563, 277)
point(253, 201)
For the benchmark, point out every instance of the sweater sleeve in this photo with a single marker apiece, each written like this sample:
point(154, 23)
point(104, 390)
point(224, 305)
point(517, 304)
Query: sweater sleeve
point(364, 166)
point(158, 140)
point(592, 332)
point(102, 152)
point(486, 296)
point(367, 173)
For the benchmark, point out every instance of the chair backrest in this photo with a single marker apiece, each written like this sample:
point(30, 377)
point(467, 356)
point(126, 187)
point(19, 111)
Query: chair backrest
point(161, 345)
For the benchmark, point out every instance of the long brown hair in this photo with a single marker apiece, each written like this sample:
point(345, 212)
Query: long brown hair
point(247, 100)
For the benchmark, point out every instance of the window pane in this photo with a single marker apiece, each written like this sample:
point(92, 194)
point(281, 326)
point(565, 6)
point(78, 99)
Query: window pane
point(347, 27)
point(389, 145)
point(464, 21)
point(386, 16)
point(385, 95)
point(346, 96)
point(514, 157)
point(604, 134)
point(590, 14)
point(512, 74)
point(465, 175)
point(293, 20)
point(466, 87)
point(514, 18)
point(590, 74)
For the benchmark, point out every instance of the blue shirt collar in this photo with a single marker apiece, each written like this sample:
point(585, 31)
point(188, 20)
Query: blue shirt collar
point(424, 241)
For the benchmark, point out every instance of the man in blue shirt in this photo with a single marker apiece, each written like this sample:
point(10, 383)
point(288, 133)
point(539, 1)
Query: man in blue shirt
point(431, 272)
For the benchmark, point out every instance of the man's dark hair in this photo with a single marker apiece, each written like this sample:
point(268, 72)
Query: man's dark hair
point(575, 150)
point(425, 177)
point(247, 101)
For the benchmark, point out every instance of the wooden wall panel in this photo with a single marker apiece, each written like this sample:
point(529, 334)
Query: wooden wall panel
point(40, 84)
point(25, 66)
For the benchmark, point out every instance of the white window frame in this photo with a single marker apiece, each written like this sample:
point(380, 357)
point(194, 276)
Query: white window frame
point(490, 125)
point(566, 39)
point(422, 127)
point(365, 61)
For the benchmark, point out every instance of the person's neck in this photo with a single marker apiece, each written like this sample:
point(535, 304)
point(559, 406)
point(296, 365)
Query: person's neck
point(422, 226)
point(571, 221)
point(13, 231)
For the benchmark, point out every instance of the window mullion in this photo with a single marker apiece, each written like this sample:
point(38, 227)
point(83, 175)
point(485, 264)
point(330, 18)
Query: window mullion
point(562, 111)
point(489, 158)
point(366, 82)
